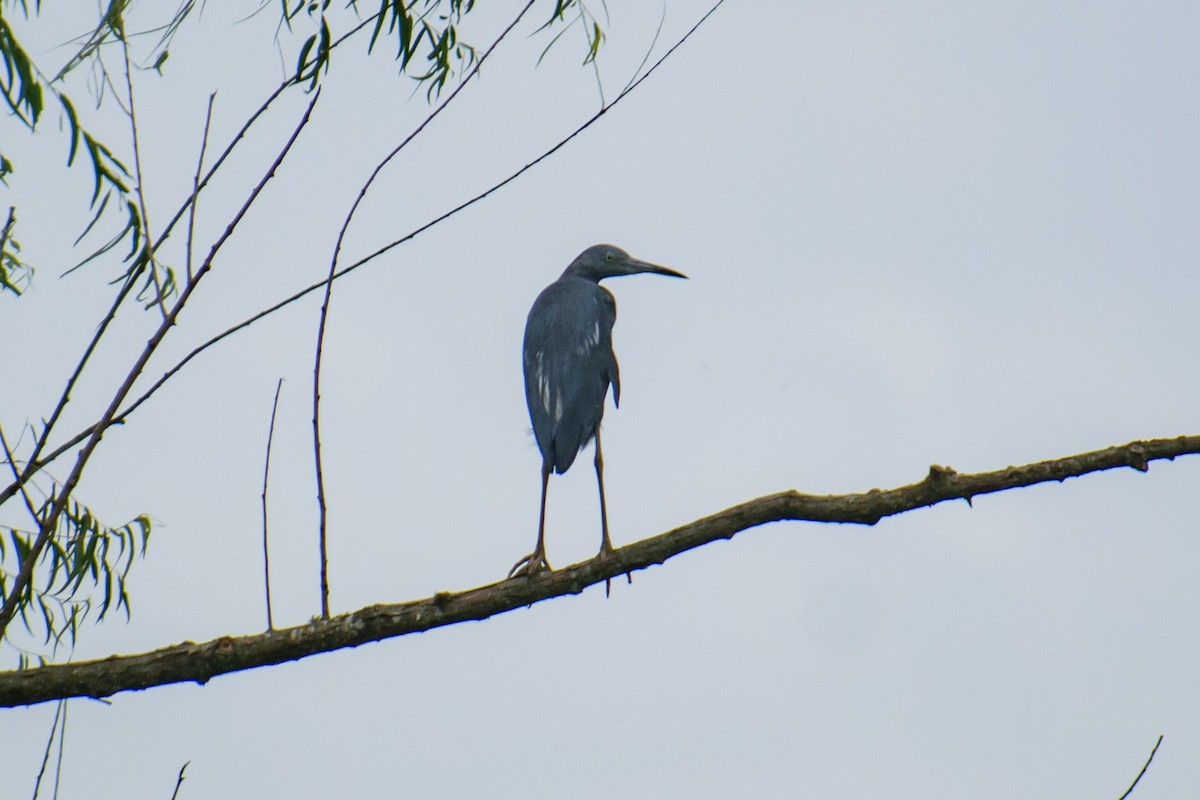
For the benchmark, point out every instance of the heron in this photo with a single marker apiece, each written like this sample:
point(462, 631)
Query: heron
point(569, 365)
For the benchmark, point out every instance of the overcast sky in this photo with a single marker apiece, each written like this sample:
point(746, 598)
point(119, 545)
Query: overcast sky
point(916, 233)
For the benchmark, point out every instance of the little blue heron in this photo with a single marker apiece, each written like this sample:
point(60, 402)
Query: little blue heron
point(569, 364)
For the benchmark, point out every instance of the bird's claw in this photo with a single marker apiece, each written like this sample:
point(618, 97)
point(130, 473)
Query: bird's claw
point(530, 565)
point(608, 551)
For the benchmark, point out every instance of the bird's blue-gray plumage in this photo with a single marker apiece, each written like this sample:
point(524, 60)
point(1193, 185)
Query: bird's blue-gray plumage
point(569, 365)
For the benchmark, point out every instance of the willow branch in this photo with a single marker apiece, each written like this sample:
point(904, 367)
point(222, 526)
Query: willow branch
point(160, 299)
point(200, 663)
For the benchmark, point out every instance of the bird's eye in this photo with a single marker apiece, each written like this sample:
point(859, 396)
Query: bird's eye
point(609, 256)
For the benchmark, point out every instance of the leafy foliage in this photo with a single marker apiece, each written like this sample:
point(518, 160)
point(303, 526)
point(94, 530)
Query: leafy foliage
point(411, 26)
point(22, 92)
point(13, 271)
point(81, 574)
point(24, 88)
point(428, 48)
point(583, 17)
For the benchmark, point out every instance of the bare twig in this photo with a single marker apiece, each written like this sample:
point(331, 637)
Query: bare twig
point(160, 294)
point(322, 506)
point(266, 476)
point(50, 521)
point(191, 206)
point(179, 780)
point(62, 745)
point(1145, 766)
point(201, 662)
point(12, 463)
point(37, 783)
point(653, 42)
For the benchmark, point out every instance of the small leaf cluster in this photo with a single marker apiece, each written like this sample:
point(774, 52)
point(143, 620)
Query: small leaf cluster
point(24, 88)
point(81, 573)
point(418, 27)
point(584, 17)
point(13, 271)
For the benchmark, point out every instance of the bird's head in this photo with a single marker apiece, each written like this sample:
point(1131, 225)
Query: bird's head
point(602, 261)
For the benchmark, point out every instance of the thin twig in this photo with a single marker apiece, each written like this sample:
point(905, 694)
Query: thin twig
point(25, 575)
point(37, 783)
point(12, 463)
point(160, 296)
point(179, 781)
point(266, 475)
point(1145, 766)
point(658, 32)
point(62, 746)
point(322, 506)
point(191, 225)
point(667, 54)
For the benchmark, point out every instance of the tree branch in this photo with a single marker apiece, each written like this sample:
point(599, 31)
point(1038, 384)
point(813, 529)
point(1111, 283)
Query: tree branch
point(1145, 767)
point(189, 661)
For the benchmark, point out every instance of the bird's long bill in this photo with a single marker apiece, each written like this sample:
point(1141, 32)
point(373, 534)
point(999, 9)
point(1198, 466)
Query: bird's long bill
point(636, 266)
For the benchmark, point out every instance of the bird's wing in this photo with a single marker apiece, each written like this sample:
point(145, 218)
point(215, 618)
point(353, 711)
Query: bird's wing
point(569, 366)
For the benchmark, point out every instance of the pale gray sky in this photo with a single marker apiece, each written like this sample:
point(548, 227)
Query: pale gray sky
point(916, 233)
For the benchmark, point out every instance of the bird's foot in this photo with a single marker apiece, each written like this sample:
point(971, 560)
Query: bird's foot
point(530, 565)
point(606, 551)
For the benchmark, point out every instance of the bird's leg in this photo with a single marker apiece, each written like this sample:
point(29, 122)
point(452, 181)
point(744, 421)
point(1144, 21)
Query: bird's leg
point(605, 542)
point(536, 561)
point(606, 547)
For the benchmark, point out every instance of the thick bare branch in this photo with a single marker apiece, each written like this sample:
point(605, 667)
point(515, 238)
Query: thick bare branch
point(201, 662)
